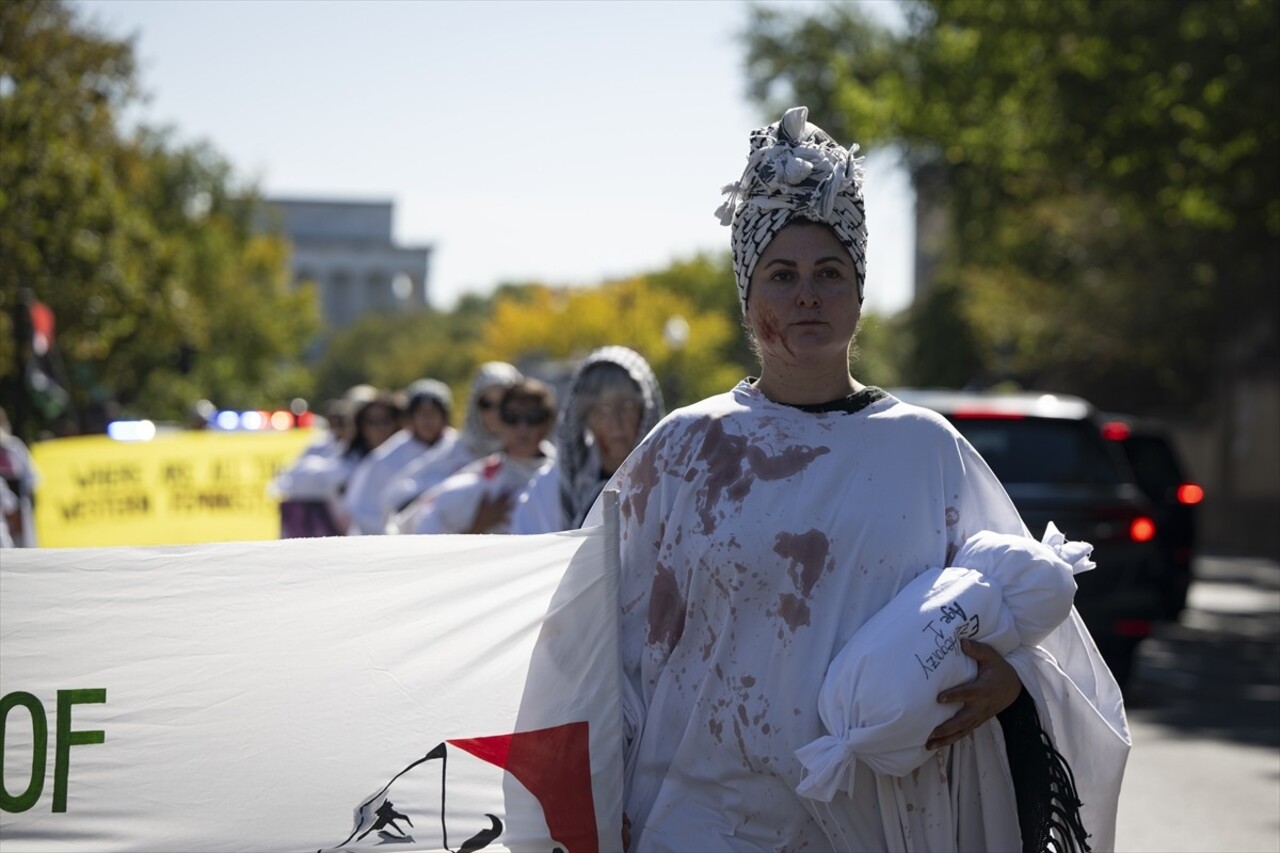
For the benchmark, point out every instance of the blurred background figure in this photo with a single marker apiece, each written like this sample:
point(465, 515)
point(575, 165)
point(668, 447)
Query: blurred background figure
point(309, 491)
point(426, 435)
point(614, 400)
point(8, 514)
point(479, 498)
point(19, 476)
point(478, 438)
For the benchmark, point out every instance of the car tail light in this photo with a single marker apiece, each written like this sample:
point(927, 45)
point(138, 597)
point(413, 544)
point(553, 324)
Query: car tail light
point(1190, 494)
point(1131, 627)
point(1142, 529)
point(1115, 431)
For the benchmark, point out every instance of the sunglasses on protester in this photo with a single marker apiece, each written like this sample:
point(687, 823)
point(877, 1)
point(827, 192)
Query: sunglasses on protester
point(537, 418)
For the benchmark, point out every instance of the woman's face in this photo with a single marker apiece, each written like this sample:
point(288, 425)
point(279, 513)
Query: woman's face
point(427, 420)
point(523, 424)
point(802, 305)
point(613, 419)
point(488, 402)
point(377, 423)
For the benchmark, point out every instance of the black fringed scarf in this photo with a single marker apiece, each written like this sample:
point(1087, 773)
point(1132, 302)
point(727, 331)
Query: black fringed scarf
point(1048, 806)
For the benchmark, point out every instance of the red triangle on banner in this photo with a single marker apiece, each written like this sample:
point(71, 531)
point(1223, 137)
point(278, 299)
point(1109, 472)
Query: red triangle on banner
point(555, 766)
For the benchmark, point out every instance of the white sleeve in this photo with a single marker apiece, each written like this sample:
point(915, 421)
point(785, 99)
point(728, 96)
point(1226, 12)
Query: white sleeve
point(538, 508)
point(313, 477)
point(449, 507)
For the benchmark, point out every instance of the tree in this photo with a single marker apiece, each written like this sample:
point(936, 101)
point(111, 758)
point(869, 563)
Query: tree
point(391, 350)
point(143, 250)
point(1107, 169)
point(690, 349)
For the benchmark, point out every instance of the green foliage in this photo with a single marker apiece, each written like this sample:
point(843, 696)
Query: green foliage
point(530, 324)
point(392, 350)
point(143, 249)
point(690, 349)
point(1107, 169)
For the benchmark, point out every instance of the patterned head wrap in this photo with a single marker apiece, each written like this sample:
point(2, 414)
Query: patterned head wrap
point(491, 374)
point(579, 461)
point(795, 171)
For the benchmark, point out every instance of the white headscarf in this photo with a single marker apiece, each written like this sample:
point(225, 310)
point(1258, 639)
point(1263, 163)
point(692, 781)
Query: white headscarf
point(795, 171)
point(580, 480)
point(474, 436)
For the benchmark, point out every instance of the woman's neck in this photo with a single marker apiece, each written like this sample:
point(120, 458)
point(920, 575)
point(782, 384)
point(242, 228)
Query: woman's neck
point(806, 387)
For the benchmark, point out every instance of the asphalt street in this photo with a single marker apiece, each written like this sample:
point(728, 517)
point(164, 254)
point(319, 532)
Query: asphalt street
point(1204, 712)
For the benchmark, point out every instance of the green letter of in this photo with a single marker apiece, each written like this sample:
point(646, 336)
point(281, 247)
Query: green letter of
point(39, 747)
point(68, 739)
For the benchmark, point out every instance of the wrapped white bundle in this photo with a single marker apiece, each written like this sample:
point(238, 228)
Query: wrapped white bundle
point(879, 698)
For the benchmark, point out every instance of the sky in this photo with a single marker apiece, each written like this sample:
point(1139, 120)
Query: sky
point(568, 143)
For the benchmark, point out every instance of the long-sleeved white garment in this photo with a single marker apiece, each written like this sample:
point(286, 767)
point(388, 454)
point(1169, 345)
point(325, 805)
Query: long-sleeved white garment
point(756, 538)
point(539, 508)
point(451, 506)
point(368, 496)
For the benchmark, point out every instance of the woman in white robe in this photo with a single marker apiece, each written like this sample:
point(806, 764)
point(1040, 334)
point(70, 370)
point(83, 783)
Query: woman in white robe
point(426, 435)
point(477, 439)
point(762, 527)
point(479, 498)
point(614, 400)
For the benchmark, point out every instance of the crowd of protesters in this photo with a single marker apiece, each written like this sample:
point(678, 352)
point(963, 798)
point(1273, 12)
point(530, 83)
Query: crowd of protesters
point(390, 462)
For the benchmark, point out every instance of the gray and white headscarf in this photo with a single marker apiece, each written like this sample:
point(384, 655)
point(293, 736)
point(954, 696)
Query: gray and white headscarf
point(434, 390)
point(579, 460)
point(474, 436)
point(795, 171)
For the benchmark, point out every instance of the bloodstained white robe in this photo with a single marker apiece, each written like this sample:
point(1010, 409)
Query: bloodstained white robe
point(755, 539)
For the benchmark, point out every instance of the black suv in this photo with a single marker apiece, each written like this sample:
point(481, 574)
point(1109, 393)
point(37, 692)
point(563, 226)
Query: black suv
point(1160, 473)
point(1050, 454)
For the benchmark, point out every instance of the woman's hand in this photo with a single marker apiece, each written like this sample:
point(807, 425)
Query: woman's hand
point(991, 691)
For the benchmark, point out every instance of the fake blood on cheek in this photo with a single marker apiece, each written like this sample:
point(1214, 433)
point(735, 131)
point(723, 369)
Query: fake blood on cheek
point(769, 330)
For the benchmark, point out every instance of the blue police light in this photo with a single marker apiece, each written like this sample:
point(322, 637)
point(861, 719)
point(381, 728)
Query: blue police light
point(227, 419)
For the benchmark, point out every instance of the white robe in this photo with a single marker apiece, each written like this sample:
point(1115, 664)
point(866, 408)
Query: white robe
point(539, 509)
point(756, 538)
point(451, 506)
point(368, 495)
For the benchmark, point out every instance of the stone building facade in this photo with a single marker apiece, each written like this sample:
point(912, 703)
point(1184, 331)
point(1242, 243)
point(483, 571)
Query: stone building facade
point(347, 249)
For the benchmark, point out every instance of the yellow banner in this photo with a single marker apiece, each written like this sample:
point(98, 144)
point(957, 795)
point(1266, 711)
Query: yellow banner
point(177, 488)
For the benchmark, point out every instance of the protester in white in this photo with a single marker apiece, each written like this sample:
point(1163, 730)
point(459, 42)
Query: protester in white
point(479, 498)
point(19, 473)
point(8, 514)
point(477, 438)
point(613, 401)
point(312, 476)
point(761, 528)
point(313, 486)
point(426, 435)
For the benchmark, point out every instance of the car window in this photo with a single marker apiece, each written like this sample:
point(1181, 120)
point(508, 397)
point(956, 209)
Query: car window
point(1154, 464)
point(1042, 450)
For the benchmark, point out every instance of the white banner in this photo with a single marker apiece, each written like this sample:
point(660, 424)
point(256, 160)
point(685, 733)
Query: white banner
point(403, 692)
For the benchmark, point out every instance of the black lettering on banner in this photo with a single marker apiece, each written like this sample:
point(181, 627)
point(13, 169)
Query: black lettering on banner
point(105, 507)
point(112, 476)
point(223, 470)
point(178, 473)
point(65, 738)
point(218, 499)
